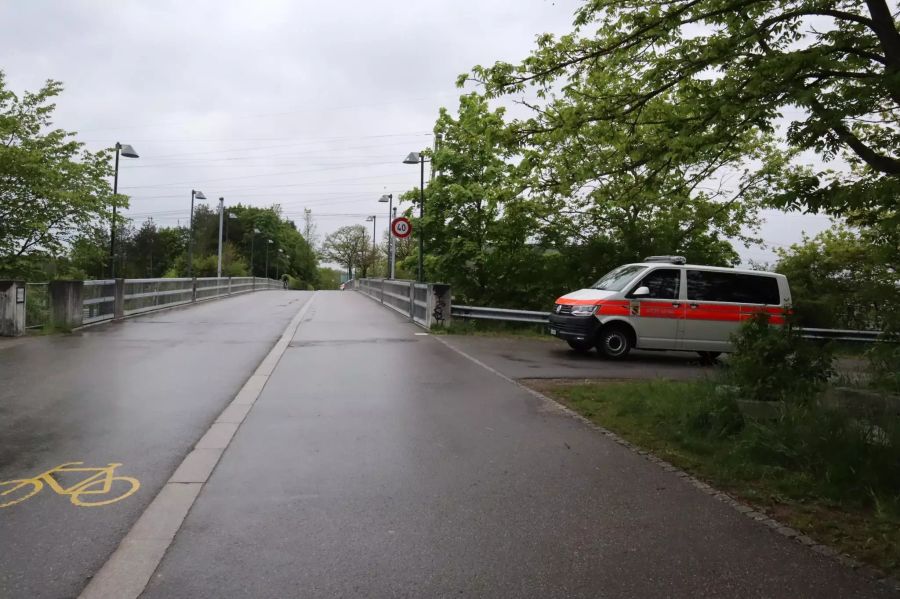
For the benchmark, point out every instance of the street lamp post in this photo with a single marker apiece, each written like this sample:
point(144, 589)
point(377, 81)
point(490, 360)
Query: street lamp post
point(221, 216)
point(228, 218)
point(128, 152)
point(252, 241)
point(413, 158)
point(278, 265)
point(269, 242)
point(389, 198)
point(200, 196)
point(373, 219)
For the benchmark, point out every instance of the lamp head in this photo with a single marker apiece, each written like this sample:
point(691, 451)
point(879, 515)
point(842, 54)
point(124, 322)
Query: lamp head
point(199, 195)
point(127, 151)
point(386, 198)
point(412, 158)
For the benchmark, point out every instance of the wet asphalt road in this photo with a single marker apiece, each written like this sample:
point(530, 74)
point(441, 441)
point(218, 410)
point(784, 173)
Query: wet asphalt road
point(547, 357)
point(140, 392)
point(379, 463)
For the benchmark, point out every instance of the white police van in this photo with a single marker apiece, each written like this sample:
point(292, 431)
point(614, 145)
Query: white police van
point(663, 303)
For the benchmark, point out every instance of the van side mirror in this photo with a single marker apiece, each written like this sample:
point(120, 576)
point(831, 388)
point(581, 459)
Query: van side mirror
point(641, 291)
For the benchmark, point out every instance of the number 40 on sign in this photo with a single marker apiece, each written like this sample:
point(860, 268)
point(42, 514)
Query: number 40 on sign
point(401, 227)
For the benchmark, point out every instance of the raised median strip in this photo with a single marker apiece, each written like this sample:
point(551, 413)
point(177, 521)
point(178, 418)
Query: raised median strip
point(127, 572)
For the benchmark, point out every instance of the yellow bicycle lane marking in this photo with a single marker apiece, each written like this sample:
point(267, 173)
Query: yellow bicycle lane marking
point(98, 485)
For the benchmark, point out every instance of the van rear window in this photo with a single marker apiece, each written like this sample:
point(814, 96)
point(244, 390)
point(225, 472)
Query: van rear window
point(742, 288)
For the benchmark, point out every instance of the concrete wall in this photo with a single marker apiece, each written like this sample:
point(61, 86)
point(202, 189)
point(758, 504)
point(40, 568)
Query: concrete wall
point(12, 308)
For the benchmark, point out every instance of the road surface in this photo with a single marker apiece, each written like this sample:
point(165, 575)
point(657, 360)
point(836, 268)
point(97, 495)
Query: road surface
point(140, 392)
point(379, 462)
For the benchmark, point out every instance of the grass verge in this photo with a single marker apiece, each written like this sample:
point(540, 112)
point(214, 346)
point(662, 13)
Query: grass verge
point(810, 470)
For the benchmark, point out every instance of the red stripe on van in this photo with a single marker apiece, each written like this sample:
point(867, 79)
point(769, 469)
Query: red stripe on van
point(732, 312)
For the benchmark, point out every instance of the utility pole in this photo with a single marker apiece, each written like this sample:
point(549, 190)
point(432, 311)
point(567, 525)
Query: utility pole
point(221, 216)
point(393, 257)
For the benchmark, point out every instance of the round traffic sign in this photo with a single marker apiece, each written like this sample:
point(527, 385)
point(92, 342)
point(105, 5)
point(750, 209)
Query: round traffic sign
point(401, 227)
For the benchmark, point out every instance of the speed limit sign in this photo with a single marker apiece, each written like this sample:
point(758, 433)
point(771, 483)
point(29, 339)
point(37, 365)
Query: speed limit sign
point(401, 227)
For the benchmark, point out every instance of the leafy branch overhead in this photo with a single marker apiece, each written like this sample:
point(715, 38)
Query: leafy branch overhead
point(830, 70)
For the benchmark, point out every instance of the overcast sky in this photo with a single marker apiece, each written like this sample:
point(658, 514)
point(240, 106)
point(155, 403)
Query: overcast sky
point(306, 104)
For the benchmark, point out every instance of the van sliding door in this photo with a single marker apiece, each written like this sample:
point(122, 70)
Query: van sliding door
point(717, 303)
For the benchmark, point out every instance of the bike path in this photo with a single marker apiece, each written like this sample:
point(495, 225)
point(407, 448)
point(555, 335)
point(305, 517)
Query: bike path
point(140, 392)
point(382, 463)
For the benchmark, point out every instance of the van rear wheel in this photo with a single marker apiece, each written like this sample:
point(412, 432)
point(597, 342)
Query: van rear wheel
point(582, 347)
point(614, 342)
point(708, 357)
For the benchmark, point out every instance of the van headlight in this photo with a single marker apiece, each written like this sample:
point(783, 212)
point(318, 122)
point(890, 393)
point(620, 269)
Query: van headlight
point(584, 310)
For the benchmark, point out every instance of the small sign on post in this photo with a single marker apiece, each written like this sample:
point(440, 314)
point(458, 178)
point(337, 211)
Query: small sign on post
point(20, 295)
point(401, 227)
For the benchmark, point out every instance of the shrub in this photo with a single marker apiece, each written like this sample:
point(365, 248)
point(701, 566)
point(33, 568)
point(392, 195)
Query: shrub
point(773, 363)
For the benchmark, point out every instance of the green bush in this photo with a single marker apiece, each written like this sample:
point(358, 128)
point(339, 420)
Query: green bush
point(773, 363)
point(884, 364)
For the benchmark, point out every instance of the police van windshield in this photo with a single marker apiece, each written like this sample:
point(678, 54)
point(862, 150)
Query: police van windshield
point(617, 279)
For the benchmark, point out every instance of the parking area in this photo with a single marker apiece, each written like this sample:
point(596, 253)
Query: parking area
point(520, 357)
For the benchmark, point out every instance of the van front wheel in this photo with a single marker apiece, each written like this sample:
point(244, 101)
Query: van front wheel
point(614, 342)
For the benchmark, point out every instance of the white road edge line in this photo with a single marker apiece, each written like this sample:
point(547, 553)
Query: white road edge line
point(127, 572)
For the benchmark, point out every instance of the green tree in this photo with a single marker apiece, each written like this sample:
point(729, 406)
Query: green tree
point(328, 278)
point(844, 279)
point(51, 189)
point(521, 212)
point(349, 247)
point(831, 67)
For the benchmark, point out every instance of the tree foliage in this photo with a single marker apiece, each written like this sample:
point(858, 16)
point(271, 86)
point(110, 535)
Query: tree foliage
point(519, 212)
point(50, 187)
point(830, 68)
point(844, 279)
point(351, 247)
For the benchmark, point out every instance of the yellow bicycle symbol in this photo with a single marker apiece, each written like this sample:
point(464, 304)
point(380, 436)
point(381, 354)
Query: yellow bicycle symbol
point(99, 484)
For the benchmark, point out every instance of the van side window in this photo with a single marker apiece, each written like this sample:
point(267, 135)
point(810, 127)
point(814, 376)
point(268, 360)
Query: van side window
point(742, 288)
point(662, 282)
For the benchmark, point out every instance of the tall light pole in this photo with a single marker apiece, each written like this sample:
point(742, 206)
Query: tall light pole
point(221, 216)
point(200, 196)
point(419, 158)
point(228, 218)
point(252, 240)
point(279, 257)
point(393, 246)
point(268, 243)
point(389, 198)
point(128, 152)
point(373, 219)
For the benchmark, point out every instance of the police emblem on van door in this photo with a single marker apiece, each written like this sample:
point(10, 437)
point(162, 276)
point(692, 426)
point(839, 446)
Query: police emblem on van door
point(635, 308)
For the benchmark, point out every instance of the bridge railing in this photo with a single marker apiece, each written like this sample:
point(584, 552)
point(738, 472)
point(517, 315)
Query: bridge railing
point(426, 304)
point(70, 304)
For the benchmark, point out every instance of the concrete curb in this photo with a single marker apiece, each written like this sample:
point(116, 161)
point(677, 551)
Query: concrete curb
point(127, 572)
point(742, 508)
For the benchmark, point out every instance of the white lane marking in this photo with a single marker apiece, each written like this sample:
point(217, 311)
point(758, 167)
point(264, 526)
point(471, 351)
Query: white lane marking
point(128, 570)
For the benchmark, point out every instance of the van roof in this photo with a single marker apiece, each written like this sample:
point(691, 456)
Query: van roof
point(705, 267)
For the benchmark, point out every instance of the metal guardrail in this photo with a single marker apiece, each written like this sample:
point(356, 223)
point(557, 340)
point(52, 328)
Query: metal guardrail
point(140, 295)
point(841, 335)
point(500, 314)
point(423, 303)
point(532, 317)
